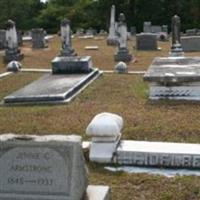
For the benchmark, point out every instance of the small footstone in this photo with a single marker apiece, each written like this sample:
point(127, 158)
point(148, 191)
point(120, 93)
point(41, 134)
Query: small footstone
point(121, 67)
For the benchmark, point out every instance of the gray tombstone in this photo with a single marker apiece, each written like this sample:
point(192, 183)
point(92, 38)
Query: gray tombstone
point(156, 29)
point(133, 30)
point(146, 42)
point(165, 29)
point(80, 32)
point(176, 48)
point(191, 32)
point(38, 168)
point(112, 37)
point(190, 43)
point(38, 38)
point(67, 49)
point(19, 38)
point(12, 51)
point(2, 39)
point(147, 27)
point(122, 53)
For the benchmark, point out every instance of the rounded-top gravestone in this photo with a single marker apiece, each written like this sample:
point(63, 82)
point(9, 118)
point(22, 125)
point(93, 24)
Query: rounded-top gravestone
point(14, 66)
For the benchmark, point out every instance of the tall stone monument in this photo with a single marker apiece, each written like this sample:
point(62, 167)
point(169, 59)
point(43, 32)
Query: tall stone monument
point(67, 49)
point(122, 53)
point(147, 27)
point(12, 50)
point(38, 38)
point(112, 37)
point(176, 48)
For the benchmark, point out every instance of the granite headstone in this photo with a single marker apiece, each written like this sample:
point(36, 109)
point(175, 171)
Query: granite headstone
point(38, 168)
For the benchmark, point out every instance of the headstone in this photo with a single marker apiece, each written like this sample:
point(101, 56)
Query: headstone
point(67, 49)
point(165, 29)
point(19, 38)
point(146, 42)
point(38, 38)
point(80, 32)
point(190, 43)
point(2, 39)
point(176, 48)
point(12, 51)
point(38, 168)
point(147, 27)
point(112, 37)
point(70, 65)
point(14, 66)
point(91, 31)
point(122, 53)
point(156, 29)
point(133, 30)
point(191, 32)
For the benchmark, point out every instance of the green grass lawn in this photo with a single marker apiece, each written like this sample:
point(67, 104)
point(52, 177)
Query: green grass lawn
point(126, 95)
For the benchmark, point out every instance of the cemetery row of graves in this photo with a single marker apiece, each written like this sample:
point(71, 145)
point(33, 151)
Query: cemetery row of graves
point(124, 105)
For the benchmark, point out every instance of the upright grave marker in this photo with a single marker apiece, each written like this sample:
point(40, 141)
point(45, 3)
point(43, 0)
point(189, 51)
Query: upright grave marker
point(38, 38)
point(12, 51)
point(176, 48)
point(112, 37)
point(2, 39)
point(122, 53)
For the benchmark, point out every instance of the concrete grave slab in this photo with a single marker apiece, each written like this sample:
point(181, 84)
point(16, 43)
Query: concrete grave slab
point(52, 89)
point(98, 192)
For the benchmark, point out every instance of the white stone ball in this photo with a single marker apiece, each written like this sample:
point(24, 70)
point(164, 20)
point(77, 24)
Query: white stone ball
point(14, 66)
point(121, 67)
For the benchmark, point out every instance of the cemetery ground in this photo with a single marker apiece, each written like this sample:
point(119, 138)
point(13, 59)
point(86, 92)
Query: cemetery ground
point(123, 94)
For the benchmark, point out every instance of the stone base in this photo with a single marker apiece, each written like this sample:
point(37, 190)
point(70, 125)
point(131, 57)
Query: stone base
point(13, 56)
point(123, 55)
point(103, 152)
point(98, 192)
point(67, 53)
point(112, 41)
point(71, 65)
point(52, 89)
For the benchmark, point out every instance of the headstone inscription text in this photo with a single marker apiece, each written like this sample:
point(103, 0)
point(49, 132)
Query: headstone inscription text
point(34, 170)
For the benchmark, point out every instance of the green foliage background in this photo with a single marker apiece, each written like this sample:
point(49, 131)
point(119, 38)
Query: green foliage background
point(95, 13)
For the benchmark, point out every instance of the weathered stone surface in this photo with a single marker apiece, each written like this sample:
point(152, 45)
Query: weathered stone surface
point(172, 71)
point(156, 29)
point(2, 39)
point(52, 89)
point(147, 27)
point(98, 192)
point(38, 38)
point(105, 125)
point(38, 168)
point(190, 43)
point(12, 51)
point(112, 37)
point(174, 78)
point(146, 41)
point(70, 65)
point(158, 154)
point(176, 48)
